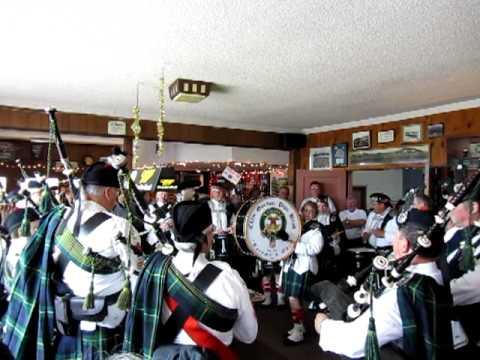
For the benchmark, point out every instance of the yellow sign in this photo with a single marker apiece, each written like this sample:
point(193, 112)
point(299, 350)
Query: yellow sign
point(167, 182)
point(147, 175)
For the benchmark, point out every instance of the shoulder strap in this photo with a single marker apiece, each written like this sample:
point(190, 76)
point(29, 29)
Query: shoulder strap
point(178, 317)
point(206, 277)
point(86, 228)
point(93, 222)
point(386, 219)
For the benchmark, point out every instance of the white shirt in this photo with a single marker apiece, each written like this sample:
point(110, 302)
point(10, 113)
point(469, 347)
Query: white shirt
point(390, 231)
point(466, 289)
point(219, 214)
point(11, 260)
point(357, 214)
point(331, 205)
point(229, 290)
point(374, 222)
point(307, 249)
point(333, 333)
point(102, 240)
point(324, 218)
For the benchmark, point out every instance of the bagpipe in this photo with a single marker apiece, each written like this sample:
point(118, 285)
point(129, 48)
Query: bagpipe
point(132, 183)
point(384, 273)
point(24, 192)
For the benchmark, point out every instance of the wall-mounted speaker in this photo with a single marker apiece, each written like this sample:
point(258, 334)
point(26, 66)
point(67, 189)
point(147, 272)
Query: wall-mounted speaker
point(294, 141)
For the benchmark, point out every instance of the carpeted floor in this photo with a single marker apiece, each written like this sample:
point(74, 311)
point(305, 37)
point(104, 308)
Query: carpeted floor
point(273, 323)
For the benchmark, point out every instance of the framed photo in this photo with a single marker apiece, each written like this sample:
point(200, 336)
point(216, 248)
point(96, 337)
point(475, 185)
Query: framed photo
point(340, 155)
point(412, 133)
point(361, 140)
point(435, 130)
point(320, 158)
point(401, 155)
point(474, 150)
point(385, 136)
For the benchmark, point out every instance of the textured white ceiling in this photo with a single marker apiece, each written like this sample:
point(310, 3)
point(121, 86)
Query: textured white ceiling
point(278, 65)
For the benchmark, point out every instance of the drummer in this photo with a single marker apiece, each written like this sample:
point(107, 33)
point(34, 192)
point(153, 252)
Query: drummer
point(271, 270)
point(223, 245)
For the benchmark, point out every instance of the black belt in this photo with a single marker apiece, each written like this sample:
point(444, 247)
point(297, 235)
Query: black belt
point(384, 248)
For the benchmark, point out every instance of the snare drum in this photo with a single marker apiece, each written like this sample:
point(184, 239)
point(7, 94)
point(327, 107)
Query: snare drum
point(361, 256)
point(260, 226)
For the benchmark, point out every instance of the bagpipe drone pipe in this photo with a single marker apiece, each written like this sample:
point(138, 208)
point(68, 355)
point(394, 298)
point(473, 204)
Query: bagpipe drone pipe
point(132, 183)
point(383, 273)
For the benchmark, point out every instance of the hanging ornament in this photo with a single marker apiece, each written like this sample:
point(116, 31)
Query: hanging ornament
point(161, 118)
point(136, 128)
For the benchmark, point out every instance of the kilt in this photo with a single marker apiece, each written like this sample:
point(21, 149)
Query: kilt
point(89, 345)
point(295, 285)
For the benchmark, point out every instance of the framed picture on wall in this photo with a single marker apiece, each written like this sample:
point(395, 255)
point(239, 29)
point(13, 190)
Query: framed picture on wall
point(435, 130)
point(386, 136)
point(412, 133)
point(320, 158)
point(340, 155)
point(361, 140)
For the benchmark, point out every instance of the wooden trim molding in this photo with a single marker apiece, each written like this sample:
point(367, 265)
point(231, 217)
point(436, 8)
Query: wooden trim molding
point(88, 124)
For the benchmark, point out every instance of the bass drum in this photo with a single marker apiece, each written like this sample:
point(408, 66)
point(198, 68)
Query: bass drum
point(265, 228)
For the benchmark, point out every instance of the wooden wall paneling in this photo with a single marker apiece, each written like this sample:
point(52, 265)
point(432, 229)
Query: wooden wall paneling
point(211, 135)
point(88, 124)
point(461, 123)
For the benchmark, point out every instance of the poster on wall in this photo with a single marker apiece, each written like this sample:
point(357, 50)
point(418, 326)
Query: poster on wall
point(386, 136)
point(320, 158)
point(435, 130)
point(412, 133)
point(407, 155)
point(8, 151)
point(340, 155)
point(361, 140)
point(474, 150)
point(278, 178)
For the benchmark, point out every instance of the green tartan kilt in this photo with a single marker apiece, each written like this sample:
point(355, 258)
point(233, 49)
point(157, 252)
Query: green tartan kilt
point(295, 285)
point(89, 345)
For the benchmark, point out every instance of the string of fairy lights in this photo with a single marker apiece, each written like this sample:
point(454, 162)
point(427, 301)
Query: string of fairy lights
point(36, 166)
point(199, 166)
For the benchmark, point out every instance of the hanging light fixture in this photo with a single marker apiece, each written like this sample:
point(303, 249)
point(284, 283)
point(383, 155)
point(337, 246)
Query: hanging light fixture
point(191, 91)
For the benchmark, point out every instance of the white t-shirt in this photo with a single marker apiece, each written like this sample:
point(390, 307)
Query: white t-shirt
point(357, 214)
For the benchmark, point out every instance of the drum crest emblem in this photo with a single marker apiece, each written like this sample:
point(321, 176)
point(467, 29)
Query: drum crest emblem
point(272, 221)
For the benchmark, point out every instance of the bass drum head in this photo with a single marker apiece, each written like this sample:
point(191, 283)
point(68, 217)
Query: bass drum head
point(266, 222)
point(240, 219)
